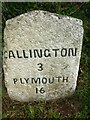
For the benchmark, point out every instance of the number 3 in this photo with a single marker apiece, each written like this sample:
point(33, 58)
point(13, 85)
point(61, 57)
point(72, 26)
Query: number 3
point(40, 66)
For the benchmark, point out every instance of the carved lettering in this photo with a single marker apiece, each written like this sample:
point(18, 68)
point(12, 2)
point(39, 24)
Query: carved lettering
point(40, 53)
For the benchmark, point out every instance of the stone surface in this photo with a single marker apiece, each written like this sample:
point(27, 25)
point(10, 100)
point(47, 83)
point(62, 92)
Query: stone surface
point(41, 55)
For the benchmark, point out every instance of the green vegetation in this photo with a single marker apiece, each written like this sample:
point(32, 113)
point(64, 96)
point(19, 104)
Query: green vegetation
point(0, 35)
point(78, 105)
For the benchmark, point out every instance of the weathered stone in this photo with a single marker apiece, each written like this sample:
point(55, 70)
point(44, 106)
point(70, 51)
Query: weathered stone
point(41, 55)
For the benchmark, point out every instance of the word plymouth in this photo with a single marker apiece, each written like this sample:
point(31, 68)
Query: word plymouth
point(39, 53)
point(38, 80)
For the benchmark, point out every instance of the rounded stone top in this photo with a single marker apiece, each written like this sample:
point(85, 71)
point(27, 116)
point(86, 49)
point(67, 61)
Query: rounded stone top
point(42, 14)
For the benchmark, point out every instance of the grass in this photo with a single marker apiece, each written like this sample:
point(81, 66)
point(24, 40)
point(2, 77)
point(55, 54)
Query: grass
point(0, 35)
point(78, 105)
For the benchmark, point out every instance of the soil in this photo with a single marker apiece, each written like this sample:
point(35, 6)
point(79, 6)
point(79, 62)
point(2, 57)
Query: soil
point(66, 107)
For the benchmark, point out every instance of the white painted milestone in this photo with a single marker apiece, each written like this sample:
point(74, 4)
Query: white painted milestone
point(41, 55)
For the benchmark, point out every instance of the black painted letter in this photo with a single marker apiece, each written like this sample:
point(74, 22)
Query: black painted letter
point(38, 53)
point(63, 52)
point(72, 51)
point(11, 54)
point(55, 50)
point(47, 53)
